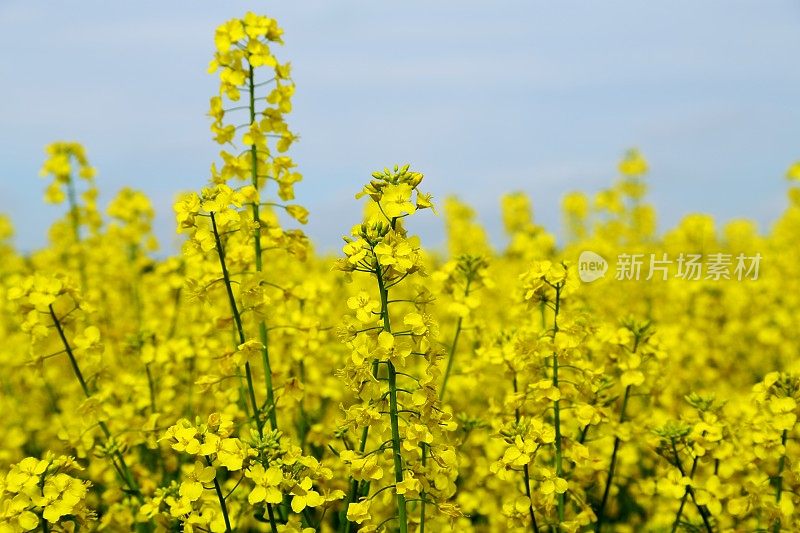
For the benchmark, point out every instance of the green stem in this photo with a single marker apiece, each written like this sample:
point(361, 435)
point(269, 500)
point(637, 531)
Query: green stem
point(704, 514)
point(450, 359)
point(398, 458)
point(271, 408)
point(526, 471)
point(557, 413)
point(393, 418)
point(422, 495)
point(176, 304)
point(240, 329)
point(617, 442)
point(152, 388)
point(125, 472)
point(221, 499)
point(273, 524)
point(690, 491)
point(75, 368)
point(393, 414)
point(612, 466)
point(262, 327)
point(345, 524)
point(237, 318)
point(584, 434)
point(451, 355)
point(254, 169)
point(133, 253)
point(527, 477)
point(393, 409)
point(779, 481)
point(678, 515)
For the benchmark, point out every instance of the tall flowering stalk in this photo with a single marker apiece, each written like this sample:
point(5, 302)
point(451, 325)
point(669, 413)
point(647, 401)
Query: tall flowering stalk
point(132, 216)
point(535, 438)
point(242, 53)
point(67, 161)
point(393, 366)
point(547, 284)
point(234, 220)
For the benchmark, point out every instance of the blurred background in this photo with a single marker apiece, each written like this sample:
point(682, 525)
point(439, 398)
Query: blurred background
point(483, 97)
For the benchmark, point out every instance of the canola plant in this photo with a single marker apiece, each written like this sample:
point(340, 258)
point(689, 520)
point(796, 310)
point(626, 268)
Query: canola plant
point(248, 383)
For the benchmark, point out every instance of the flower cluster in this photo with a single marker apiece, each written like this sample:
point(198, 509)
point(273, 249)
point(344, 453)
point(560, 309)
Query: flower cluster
point(43, 493)
point(393, 368)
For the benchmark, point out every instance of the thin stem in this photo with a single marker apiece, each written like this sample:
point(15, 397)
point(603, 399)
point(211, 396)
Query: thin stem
point(557, 413)
point(273, 524)
point(345, 524)
point(75, 368)
point(527, 477)
point(238, 321)
point(450, 358)
point(678, 515)
point(173, 323)
point(398, 458)
point(221, 499)
point(393, 410)
point(133, 253)
point(612, 466)
point(151, 387)
point(617, 443)
point(264, 338)
point(453, 346)
point(526, 470)
point(779, 481)
point(355, 489)
point(239, 482)
point(423, 494)
point(685, 492)
point(584, 434)
point(690, 491)
point(123, 469)
point(262, 327)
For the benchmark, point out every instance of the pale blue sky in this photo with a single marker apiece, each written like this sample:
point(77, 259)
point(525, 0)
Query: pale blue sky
point(484, 97)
